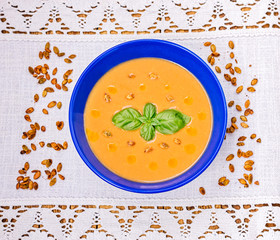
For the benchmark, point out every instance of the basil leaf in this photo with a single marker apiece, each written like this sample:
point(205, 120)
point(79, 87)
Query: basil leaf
point(127, 119)
point(143, 119)
point(171, 121)
point(150, 111)
point(148, 132)
point(155, 122)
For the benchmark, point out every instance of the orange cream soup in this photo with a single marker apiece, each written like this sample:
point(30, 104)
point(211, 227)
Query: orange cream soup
point(156, 81)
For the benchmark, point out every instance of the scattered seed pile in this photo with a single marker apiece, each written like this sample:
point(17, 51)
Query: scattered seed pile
point(243, 112)
point(43, 75)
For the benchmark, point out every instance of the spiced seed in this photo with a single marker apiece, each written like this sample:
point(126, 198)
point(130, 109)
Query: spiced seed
point(43, 128)
point(231, 71)
point(233, 119)
point(231, 168)
point(107, 98)
point(240, 144)
point(29, 110)
point(170, 98)
point(231, 55)
point(253, 136)
point(26, 166)
point(212, 62)
point(242, 181)
point(47, 46)
point(55, 50)
point(234, 126)
point(54, 81)
point(59, 105)
point(254, 81)
point(239, 89)
point(42, 80)
point(209, 58)
point(257, 183)
point(207, 44)
point(33, 146)
point(57, 86)
point(65, 145)
point(53, 173)
point(213, 48)
point(37, 126)
point(163, 145)
point(233, 81)
point(242, 138)
point(243, 118)
point(230, 157)
point(239, 153)
point(37, 175)
point(107, 133)
point(44, 93)
point(130, 96)
point(45, 111)
point(35, 185)
point(27, 118)
point(249, 162)
point(231, 44)
point(41, 55)
point(36, 97)
point(215, 54)
point(64, 88)
point(231, 103)
point(202, 190)
point(30, 185)
point(59, 125)
point(61, 54)
point(218, 69)
point(130, 143)
point(61, 176)
point(259, 140)
point(247, 103)
point(54, 71)
point(251, 89)
point(238, 108)
point(72, 56)
point(244, 125)
point(52, 104)
point(59, 167)
point(227, 77)
point(237, 70)
point(248, 167)
point(229, 65)
point(53, 181)
point(148, 149)
point(177, 141)
point(67, 60)
point(49, 89)
point(42, 144)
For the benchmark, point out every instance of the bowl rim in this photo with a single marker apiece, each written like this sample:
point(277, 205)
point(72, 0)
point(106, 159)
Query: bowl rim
point(115, 182)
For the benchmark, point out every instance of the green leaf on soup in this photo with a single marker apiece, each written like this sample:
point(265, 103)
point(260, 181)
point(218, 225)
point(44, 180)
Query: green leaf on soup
point(148, 132)
point(150, 111)
point(171, 121)
point(127, 119)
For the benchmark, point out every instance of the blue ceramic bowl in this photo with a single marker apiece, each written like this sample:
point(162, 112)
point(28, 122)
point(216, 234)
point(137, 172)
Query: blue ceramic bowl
point(139, 49)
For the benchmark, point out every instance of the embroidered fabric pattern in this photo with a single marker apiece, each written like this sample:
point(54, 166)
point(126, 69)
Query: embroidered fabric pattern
point(135, 17)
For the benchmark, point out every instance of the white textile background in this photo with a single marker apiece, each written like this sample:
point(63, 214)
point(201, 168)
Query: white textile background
point(83, 206)
point(19, 87)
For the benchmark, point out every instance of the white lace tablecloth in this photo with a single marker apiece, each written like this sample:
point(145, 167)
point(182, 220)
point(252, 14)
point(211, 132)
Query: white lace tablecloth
point(83, 206)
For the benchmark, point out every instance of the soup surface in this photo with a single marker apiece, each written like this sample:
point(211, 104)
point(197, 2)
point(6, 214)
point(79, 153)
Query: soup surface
point(133, 84)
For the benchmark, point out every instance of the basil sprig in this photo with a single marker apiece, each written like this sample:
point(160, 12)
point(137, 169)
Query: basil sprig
point(166, 122)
